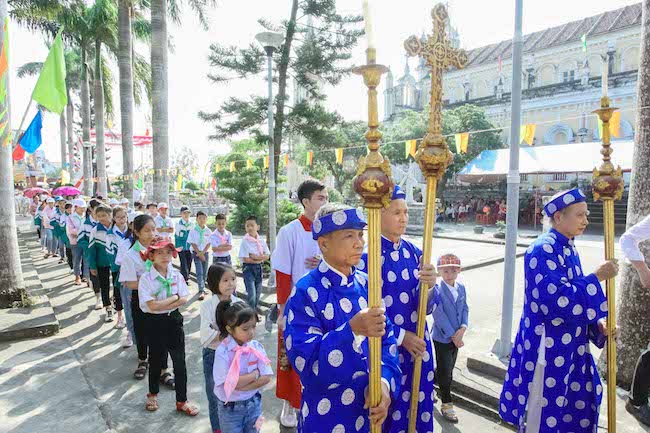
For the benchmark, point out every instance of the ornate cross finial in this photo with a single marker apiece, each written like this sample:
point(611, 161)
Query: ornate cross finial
point(433, 155)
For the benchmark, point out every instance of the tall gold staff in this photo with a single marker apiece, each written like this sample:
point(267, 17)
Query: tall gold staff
point(433, 157)
point(375, 186)
point(608, 186)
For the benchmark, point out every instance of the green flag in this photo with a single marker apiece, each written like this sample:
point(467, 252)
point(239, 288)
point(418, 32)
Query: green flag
point(584, 42)
point(50, 89)
point(140, 183)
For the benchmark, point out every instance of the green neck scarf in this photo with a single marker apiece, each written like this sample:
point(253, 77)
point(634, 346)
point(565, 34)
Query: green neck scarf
point(166, 284)
point(201, 233)
point(137, 246)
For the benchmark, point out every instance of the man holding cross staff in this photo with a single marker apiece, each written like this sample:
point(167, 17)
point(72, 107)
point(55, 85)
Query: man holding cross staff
point(433, 156)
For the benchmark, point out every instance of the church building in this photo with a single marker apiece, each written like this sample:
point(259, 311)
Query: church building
point(561, 86)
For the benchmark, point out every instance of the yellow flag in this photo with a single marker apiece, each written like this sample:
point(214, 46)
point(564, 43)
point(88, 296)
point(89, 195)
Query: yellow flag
point(462, 142)
point(411, 147)
point(249, 163)
point(65, 177)
point(218, 168)
point(339, 155)
point(232, 166)
point(266, 162)
point(310, 158)
point(286, 159)
point(527, 133)
point(179, 182)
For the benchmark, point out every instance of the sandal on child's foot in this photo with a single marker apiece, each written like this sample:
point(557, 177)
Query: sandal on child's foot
point(141, 371)
point(449, 413)
point(168, 380)
point(152, 402)
point(187, 408)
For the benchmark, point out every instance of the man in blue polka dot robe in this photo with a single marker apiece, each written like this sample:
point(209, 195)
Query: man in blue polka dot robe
point(327, 325)
point(552, 384)
point(401, 277)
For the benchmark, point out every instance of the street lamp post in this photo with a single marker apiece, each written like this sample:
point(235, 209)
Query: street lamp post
point(271, 42)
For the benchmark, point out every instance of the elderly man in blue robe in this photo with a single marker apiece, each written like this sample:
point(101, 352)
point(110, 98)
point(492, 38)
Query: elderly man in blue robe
point(402, 274)
point(552, 384)
point(327, 325)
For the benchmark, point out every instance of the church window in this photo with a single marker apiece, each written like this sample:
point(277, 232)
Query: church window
point(569, 76)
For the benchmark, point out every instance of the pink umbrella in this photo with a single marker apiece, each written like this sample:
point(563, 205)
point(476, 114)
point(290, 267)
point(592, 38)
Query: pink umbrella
point(66, 190)
point(31, 192)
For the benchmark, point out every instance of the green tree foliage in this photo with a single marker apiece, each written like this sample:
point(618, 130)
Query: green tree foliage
point(316, 51)
point(192, 186)
point(287, 212)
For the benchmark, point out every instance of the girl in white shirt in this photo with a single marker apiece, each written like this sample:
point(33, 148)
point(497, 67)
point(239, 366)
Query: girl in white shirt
point(162, 291)
point(241, 368)
point(132, 266)
point(222, 282)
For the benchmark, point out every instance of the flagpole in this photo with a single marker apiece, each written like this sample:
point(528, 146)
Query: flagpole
point(22, 122)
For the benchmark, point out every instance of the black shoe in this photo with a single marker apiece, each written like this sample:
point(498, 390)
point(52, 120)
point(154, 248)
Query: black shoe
point(641, 413)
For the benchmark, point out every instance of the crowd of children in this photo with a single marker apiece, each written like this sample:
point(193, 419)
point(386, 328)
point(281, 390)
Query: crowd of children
point(125, 254)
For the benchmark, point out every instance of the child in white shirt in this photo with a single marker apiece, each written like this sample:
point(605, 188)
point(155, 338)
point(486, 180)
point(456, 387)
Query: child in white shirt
point(221, 240)
point(164, 224)
point(222, 282)
point(241, 368)
point(162, 290)
point(252, 253)
point(199, 241)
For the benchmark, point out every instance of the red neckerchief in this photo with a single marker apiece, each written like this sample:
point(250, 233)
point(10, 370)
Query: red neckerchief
point(306, 222)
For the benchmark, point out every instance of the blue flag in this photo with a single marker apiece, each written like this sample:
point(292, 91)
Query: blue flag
point(32, 139)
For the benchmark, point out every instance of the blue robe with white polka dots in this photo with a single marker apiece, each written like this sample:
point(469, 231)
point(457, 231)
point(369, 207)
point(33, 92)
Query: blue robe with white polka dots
point(400, 265)
point(333, 363)
point(552, 384)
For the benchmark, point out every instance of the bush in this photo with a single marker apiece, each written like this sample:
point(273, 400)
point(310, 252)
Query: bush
point(192, 186)
point(334, 195)
point(287, 211)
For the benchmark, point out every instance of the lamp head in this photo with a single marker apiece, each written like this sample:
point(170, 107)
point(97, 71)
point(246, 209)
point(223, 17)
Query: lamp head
point(270, 41)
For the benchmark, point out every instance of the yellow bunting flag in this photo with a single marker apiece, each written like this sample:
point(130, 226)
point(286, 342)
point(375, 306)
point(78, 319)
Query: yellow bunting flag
point(339, 155)
point(65, 177)
point(286, 159)
point(179, 182)
point(462, 142)
point(266, 162)
point(310, 157)
point(218, 168)
point(527, 133)
point(411, 147)
point(249, 163)
point(232, 166)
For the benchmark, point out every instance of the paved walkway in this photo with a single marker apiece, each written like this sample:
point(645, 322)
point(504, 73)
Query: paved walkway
point(80, 380)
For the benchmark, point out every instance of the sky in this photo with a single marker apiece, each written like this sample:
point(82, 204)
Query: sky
point(479, 23)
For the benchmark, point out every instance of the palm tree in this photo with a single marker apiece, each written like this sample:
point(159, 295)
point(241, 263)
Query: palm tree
point(130, 23)
point(634, 298)
point(11, 278)
point(160, 94)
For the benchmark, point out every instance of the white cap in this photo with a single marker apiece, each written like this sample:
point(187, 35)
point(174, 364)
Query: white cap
point(43, 197)
point(79, 202)
point(163, 206)
point(113, 201)
point(125, 201)
point(132, 215)
point(50, 200)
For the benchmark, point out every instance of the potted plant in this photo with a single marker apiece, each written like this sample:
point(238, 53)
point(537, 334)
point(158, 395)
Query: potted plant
point(478, 230)
point(501, 230)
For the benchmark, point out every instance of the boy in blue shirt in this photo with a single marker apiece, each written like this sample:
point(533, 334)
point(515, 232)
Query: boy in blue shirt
point(450, 321)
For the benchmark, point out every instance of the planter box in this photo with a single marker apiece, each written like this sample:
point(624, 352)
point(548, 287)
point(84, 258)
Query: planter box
point(478, 230)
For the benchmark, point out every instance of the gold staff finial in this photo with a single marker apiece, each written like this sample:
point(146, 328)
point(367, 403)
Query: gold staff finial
point(608, 186)
point(375, 186)
point(433, 156)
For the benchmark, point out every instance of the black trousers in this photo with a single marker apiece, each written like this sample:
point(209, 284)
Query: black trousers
point(68, 255)
point(185, 258)
point(117, 296)
point(104, 277)
point(641, 380)
point(139, 329)
point(446, 354)
point(164, 333)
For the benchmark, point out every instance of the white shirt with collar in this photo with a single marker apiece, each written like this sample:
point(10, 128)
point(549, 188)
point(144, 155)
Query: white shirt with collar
point(209, 329)
point(150, 289)
point(247, 247)
point(453, 289)
point(224, 356)
point(194, 236)
point(165, 222)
